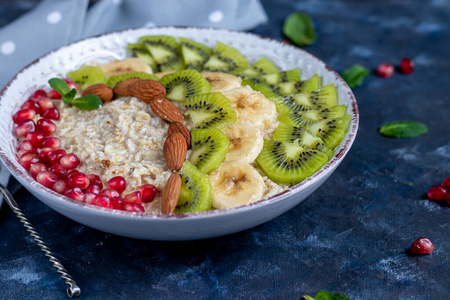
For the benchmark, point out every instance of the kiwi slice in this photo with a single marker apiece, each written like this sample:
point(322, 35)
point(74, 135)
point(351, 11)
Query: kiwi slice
point(114, 80)
point(211, 110)
point(141, 51)
point(285, 162)
point(322, 98)
point(209, 147)
point(165, 50)
point(196, 191)
point(285, 76)
point(195, 55)
point(261, 67)
point(86, 76)
point(302, 118)
point(184, 84)
point(332, 131)
point(225, 59)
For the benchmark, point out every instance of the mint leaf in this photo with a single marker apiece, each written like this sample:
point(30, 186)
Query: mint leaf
point(322, 295)
point(299, 29)
point(354, 75)
point(88, 102)
point(403, 129)
point(68, 97)
point(59, 85)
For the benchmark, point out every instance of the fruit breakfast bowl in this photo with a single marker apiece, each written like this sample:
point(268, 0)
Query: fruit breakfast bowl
point(171, 226)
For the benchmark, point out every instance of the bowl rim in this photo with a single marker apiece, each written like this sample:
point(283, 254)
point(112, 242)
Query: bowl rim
point(20, 173)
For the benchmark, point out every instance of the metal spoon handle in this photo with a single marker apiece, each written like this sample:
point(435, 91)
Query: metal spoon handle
point(73, 290)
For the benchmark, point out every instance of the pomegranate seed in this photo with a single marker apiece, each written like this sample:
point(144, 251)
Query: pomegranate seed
point(79, 180)
point(89, 197)
point(54, 95)
point(95, 180)
point(148, 192)
point(22, 152)
point(385, 70)
point(59, 171)
point(52, 113)
point(27, 159)
point(23, 129)
point(30, 104)
point(447, 198)
point(26, 145)
point(133, 207)
point(102, 201)
point(46, 126)
point(44, 105)
point(117, 203)
point(117, 183)
point(55, 155)
point(110, 193)
point(38, 94)
point(35, 169)
point(446, 183)
point(72, 172)
point(24, 115)
point(70, 83)
point(134, 197)
point(436, 192)
point(406, 66)
point(94, 189)
point(51, 142)
point(46, 178)
point(36, 138)
point(75, 193)
point(60, 186)
point(70, 161)
point(43, 155)
point(422, 246)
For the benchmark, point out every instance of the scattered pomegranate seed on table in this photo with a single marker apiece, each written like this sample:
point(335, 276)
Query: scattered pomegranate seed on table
point(117, 183)
point(406, 66)
point(385, 70)
point(436, 192)
point(446, 183)
point(422, 246)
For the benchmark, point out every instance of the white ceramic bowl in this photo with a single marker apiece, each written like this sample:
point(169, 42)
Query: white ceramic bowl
point(174, 226)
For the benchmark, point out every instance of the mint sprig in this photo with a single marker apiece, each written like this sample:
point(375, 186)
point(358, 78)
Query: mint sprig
point(354, 76)
point(88, 102)
point(298, 28)
point(403, 129)
point(322, 295)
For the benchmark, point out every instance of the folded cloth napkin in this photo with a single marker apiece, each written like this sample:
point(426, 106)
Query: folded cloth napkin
point(54, 23)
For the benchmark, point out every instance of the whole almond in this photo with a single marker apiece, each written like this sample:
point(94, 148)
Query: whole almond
point(174, 151)
point(147, 90)
point(104, 92)
point(166, 110)
point(170, 194)
point(177, 127)
point(122, 87)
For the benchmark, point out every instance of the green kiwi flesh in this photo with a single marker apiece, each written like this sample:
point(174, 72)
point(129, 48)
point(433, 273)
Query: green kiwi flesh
point(261, 67)
point(285, 76)
point(302, 118)
point(285, 162)
point(332, 131)
point(86, 76)
point(196, 191)
point(209, 147)
point(184, 84)
point(114, 80)
point(165, 50)
point(140, 51)
point(211, 110)
point(195, 55)
point(225, 59)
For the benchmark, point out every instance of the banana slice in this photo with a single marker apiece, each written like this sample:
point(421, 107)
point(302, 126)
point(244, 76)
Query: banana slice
point(127, 65)
point(161, 74)
point(246, 142)
point(235, 184)
point(222, 81)
point(252, 107)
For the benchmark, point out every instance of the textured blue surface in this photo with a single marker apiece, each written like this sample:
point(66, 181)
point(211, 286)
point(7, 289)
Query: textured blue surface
point(350, 236)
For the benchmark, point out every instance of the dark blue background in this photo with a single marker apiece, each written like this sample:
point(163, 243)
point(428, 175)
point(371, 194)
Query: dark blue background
point(351, 236)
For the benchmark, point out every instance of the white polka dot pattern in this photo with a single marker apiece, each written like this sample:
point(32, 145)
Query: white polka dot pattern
point(54, 17)
point(216, 16)
point(8, 48)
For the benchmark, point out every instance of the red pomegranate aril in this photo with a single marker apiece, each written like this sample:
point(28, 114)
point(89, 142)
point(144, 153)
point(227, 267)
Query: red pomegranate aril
point(25, 127)
point(72, 173)
point(24, 115)
point(55, 156)
point(134, 197)
point(51, 142)
point(52, 113)
point(26, 145)
point(422, 246)
point(54, 95)
point(117, 183)
point(436, 192)
point(385, 70)
point(38, 94)
point(60, 186)
point(148, 192)
point(59, 171)
point(111, 193)
point(30, 104)
point(36, 168)
point(46, 178)
point(44, 105)
point(43, 155)
point(406, 66)
point(95, 180)
point(133, 207)
point(75, 193)
point(46, 126)
point(79, 180)
point(36, 138)
point(102, 201)
point(89, 197)
point(94, 189)
point(446, 183)
point(70, 161)
point(22, 152)
point(117, 203)
point(27, 159)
